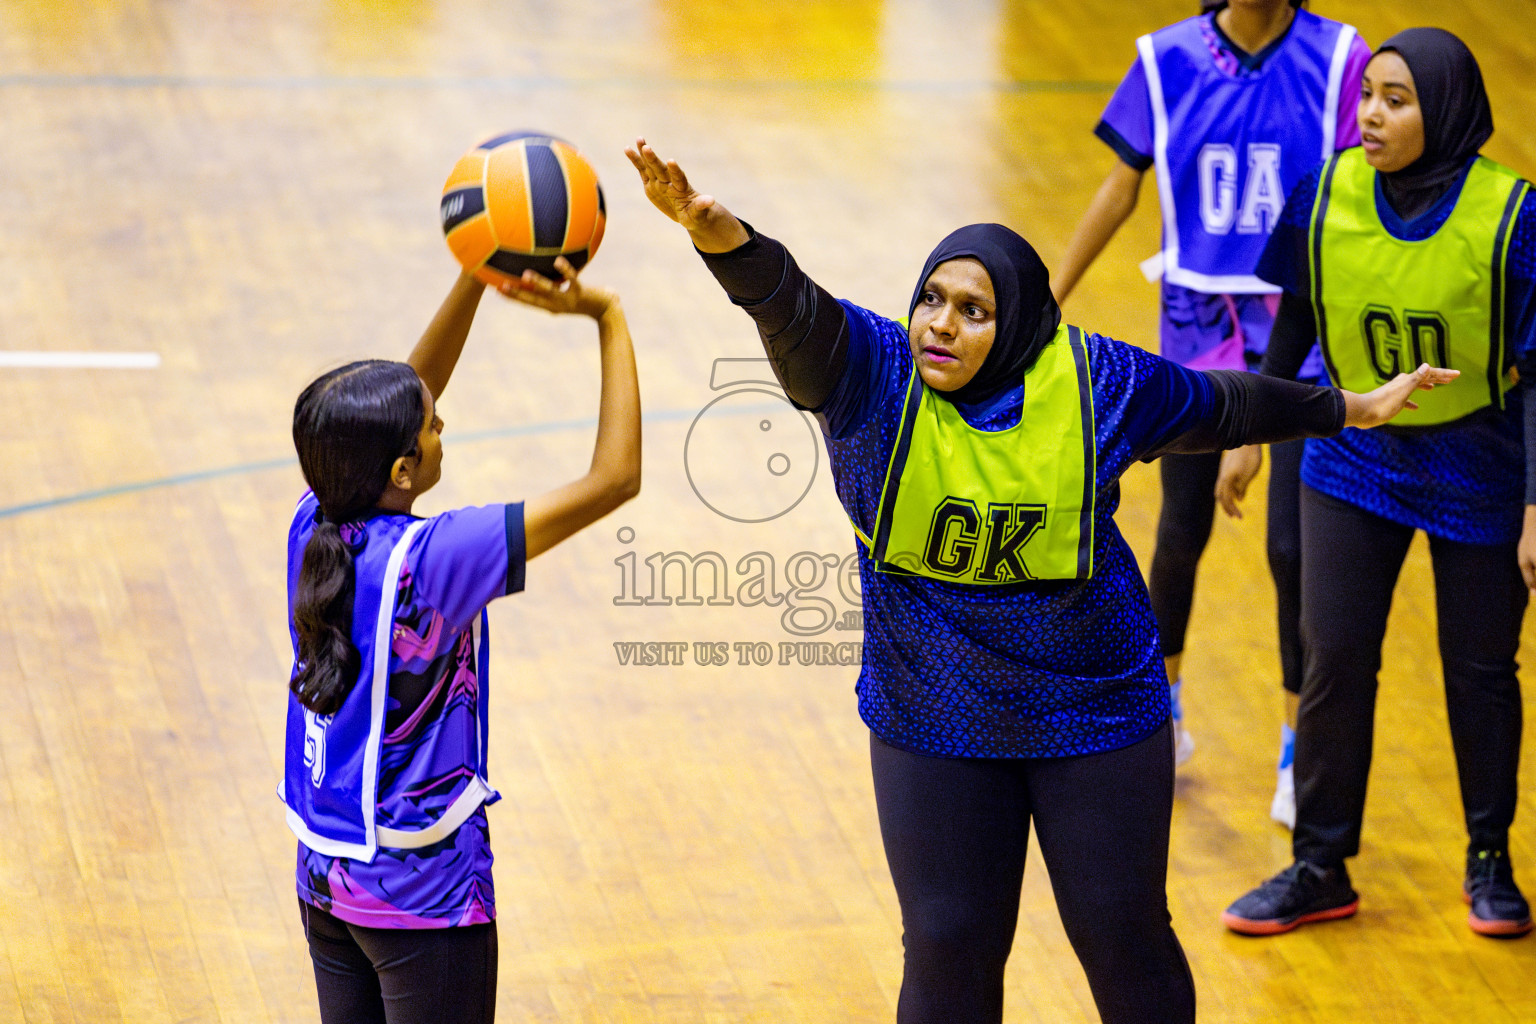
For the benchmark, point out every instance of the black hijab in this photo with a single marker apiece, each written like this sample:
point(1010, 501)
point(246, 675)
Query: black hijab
point(1027, 314)
point(1457, 118)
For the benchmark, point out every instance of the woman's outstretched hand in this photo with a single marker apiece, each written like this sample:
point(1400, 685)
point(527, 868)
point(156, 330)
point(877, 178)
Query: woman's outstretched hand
point(712, 227)
point(568, 295)
point(1374, 408)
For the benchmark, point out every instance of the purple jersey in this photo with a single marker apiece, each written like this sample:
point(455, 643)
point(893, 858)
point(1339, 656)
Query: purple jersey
point(388, 795)
point(1223, 130)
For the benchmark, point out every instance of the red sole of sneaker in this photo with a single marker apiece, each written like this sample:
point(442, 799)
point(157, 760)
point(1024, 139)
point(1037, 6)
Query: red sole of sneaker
point(1499, 929)
point(1243, 926)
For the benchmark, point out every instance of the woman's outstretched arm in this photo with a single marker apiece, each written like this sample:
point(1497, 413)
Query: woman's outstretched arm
point(712, 227)
point(1254, 409)
point(1250, 408)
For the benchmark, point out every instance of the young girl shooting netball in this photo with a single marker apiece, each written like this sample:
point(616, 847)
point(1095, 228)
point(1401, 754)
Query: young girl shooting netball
point(385, 768)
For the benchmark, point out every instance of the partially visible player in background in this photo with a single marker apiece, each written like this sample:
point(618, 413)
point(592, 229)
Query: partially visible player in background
point(1232, 107)
point(1411, 243)
point(385, 770)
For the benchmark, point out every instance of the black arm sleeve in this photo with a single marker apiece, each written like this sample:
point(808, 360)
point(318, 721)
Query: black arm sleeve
point(804, 330)
point(1291, 339)
point(1253, 409)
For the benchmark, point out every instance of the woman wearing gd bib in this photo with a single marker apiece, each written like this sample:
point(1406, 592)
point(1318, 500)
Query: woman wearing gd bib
point(1413, 244)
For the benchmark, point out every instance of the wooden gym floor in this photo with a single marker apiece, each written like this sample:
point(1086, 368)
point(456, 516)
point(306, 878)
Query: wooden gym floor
point(249, 191)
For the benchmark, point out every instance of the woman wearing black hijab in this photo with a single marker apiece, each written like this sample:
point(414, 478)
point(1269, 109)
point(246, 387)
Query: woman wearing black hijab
point(1011, 669)
point(1412, 243)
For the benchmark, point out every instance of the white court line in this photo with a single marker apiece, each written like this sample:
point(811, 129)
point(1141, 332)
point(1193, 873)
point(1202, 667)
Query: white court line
point(80, 360)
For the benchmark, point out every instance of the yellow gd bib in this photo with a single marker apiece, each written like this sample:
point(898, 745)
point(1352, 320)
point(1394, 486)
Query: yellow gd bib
point(1385, 305)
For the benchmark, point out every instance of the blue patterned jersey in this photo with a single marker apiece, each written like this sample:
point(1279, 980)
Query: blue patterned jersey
point(1038, 669)
point(1465, 482)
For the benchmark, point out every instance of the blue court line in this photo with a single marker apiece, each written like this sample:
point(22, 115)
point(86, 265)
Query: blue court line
point(525, 83)
point(469, 437)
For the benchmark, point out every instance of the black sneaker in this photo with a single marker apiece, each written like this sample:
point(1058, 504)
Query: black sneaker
point(1498, 909)
point(1302, 893)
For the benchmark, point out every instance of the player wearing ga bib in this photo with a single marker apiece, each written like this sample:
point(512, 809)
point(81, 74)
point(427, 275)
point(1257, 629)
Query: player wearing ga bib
point(397, 777)
point(1230, 127)
point(959, 504)
point(1227, 147)
point(1230, 133)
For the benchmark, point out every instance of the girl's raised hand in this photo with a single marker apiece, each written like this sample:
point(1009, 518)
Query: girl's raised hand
point(713, 227)
point(568, 295)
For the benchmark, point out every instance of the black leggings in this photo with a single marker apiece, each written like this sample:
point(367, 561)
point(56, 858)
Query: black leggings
point(401, 975)
point(1352, 562)
point(1184, 527)
point(956, 831)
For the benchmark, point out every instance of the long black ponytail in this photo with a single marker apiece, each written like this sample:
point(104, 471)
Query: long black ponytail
point(349, 427)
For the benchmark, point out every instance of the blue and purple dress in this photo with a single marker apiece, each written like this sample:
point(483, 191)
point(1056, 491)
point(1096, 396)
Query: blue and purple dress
point(1230, 134)
point(387, 796)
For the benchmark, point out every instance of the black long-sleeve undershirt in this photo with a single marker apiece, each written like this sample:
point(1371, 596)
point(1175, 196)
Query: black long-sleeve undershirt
point(1291, 338)
point(805, 334)
point(804, 330)
point(1251, 409)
